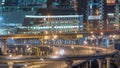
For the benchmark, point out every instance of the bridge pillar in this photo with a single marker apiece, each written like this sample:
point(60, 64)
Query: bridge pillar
point(79, 67)
point(10, 64)
point(107, 41)
point(90, 64)
point(107, 62)
point(86, 65)
point(5, 47)
point(99, 63)
point(69, 63)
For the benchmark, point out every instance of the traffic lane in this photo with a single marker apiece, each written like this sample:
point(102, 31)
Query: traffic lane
point(63, 51)
point(53, 64)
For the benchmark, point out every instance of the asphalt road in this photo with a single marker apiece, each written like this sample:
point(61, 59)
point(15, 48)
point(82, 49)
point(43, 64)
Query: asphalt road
point(60, 51)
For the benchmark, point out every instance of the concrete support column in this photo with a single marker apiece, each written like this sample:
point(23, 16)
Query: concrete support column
point(10, 64)
point(79, 66)
point(69, 63)
point(90, 64)
point(107, 62)
point(86, 65)
point(107, 41)
point(99, 63)
point(42, 40)
point(82, 65)
point(5, 47)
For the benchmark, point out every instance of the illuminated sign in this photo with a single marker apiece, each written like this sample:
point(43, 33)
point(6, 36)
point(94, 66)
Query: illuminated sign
point(110, 2)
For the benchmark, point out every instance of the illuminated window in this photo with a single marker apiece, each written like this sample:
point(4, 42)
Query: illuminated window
point(110, 2)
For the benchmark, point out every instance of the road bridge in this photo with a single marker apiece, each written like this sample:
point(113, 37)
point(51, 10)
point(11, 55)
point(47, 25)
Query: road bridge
point(68, 54)
point(63, 53)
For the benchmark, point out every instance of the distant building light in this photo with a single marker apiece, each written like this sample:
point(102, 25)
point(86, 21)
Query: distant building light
point(1, 18)
point(110, 14)
point(94, 17)
point(81, 26)
point(3, 2)
point(59, 16)
point(62, 52)
point(110, 2)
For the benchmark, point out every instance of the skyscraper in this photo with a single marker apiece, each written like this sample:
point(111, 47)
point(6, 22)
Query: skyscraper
point(82, 9)
point(94, 12)
point(8, 2)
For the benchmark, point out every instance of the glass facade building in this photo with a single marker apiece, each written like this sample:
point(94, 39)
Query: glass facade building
point(60, 23)
point(24, 2)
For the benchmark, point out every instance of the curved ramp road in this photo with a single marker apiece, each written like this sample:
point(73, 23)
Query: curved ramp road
point(60, 54)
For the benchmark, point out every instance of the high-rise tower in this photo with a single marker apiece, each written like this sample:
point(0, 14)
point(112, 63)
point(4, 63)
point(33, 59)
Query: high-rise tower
point(82, 10)
point(95, 14)
point(117, 19)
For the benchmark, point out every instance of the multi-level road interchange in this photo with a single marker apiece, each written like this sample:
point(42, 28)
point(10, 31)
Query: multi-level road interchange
point(56, 56)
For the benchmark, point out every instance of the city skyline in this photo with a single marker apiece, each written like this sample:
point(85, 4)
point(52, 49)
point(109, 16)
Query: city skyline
point(59, 34)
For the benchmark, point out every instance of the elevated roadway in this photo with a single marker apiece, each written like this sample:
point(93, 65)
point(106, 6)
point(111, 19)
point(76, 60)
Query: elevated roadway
point(60, 34)
point(61, 53)
point(71, 53)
